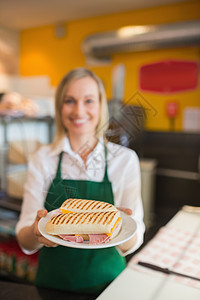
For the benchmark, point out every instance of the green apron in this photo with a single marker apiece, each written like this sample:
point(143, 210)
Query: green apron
point(72, 269)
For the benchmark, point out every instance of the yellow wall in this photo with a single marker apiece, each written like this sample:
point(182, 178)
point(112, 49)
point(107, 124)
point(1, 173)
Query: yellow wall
point(41, 53)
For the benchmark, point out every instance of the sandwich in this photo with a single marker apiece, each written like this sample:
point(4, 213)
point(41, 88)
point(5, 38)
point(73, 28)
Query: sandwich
point(82, 220)
point(81, 205)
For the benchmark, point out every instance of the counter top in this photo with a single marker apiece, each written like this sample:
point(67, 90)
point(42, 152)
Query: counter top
point(18, 291)
point(184, 229)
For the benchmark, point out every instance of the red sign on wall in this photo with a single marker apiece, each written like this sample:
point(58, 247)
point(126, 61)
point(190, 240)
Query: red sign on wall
point(169, 76)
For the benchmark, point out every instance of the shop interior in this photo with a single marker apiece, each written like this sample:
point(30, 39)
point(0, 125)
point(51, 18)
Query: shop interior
point(152, 83)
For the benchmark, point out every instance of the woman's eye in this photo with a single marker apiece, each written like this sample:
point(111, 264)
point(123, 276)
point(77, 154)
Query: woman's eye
point(68, 101)
point(89, 101)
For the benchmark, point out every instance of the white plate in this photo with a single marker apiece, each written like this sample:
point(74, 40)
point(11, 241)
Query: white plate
point(128, 230)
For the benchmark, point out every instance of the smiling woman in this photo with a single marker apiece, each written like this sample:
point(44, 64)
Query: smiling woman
point(80, 164)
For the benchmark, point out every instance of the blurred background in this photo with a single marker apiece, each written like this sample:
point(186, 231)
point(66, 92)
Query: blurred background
point(147, 54)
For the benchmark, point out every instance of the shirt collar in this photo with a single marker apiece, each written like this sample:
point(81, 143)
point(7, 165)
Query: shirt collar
point(64, 146)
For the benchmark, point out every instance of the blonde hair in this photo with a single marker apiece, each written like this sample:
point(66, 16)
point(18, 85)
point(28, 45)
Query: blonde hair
point(59, 98)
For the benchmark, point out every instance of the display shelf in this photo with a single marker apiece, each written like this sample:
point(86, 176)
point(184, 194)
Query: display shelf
point(7, 166)
point(8, 220)
point(10, 277)
point(5, 120)
point(9, 203)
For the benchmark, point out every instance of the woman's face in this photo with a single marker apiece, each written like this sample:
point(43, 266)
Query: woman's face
point(81, 107)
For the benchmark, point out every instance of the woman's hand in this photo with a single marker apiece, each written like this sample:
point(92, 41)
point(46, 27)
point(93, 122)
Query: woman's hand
point(30, 238)
point(130, 243)
point(127, 211)
point(40, 239)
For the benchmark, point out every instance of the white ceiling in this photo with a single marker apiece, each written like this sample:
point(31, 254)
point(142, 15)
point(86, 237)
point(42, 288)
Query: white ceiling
point(21, 14)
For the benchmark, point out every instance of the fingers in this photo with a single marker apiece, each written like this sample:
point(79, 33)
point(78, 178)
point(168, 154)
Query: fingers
point(46, 242)
point(42, 240)
point(40, 214)
point(127, 211)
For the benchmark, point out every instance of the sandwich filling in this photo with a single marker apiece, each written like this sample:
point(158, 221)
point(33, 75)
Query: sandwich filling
point(94, 239)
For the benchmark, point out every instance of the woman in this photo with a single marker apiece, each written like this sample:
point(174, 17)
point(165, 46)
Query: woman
point(79, 164)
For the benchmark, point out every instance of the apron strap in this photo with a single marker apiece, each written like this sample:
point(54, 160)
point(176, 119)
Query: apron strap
point(106, 164)
point(58, 172)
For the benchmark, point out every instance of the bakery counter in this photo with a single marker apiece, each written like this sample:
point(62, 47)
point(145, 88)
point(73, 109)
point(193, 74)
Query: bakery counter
point(175, 247)
point(18, 291)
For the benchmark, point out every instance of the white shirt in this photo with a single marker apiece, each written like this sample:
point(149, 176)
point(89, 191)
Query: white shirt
point(123, 172)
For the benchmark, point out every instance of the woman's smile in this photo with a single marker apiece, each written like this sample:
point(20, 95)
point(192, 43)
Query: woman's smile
point(79, 121)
